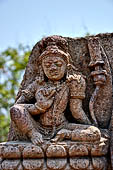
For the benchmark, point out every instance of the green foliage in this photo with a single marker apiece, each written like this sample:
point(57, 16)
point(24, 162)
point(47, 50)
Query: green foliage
point(12, 66)
point(4, 127)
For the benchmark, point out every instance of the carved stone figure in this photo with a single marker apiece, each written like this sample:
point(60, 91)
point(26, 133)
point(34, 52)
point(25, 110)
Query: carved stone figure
point(58, 86)
point(60, 111)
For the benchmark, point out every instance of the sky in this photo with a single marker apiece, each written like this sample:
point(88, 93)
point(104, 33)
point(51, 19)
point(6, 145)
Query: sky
point(27, 21)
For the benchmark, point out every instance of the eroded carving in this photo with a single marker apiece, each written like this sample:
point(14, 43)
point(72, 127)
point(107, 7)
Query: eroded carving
point(58, 85)
point(54, 89)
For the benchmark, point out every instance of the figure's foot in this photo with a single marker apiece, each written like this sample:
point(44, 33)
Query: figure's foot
point(36, 137)
point(61, 135)
point(89, 134)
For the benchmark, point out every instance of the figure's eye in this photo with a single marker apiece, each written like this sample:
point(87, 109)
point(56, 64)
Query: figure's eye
point(47, 65)
point(58, 63)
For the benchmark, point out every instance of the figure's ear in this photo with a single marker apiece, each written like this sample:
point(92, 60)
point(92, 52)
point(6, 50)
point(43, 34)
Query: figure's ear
point(40, 74)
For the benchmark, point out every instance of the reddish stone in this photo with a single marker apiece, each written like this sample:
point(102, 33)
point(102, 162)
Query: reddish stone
point(32, 151)
point(56, 151)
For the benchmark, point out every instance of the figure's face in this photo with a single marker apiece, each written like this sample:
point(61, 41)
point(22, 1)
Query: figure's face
point(54, 67)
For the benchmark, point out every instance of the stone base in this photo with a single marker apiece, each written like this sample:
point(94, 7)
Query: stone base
point(56, 164)
point(61, 156)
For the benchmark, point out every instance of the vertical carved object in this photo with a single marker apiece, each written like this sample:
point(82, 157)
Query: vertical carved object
point(99, 74)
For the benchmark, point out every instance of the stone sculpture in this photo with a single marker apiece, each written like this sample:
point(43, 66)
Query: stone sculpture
point(57, 121)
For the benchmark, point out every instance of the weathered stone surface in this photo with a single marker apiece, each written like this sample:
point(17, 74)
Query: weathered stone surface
point(56, 151)
point(85, 149)
point(79, 51)
point(1, 163)
point(20, 167)
point(10, 164)
point(78, 150)
point(11, 152)
point(56, 164)
point(0, 159)
point(90, 134)
point(100, 149)
point(79, 163)
point(99, 163)
point(33, 164)
point(32, 152)
point(28, 150)
point(65, 96)
point(70, 88)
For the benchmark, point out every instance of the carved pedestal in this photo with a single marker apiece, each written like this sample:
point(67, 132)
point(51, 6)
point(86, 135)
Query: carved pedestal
point(60, 156)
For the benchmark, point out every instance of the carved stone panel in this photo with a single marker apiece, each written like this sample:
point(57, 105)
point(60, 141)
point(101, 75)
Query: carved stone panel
point(62, 116)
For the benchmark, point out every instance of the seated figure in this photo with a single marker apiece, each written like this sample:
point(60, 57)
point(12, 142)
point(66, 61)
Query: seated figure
point(60, 119)
point(57, 85)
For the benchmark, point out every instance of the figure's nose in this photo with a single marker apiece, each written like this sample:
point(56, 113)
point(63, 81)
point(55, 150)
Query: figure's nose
point(53, 67)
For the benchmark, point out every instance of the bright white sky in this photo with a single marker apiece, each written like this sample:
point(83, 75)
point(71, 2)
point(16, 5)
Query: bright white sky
point(27, 21)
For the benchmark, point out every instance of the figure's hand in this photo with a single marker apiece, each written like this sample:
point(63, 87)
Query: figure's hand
point(45, 98)
point(37, 138)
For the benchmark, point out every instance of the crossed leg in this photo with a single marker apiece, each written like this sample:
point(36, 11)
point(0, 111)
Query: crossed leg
point(25, 123)
point(78, 132)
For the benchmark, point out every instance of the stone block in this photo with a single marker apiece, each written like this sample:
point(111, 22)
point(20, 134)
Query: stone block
point(100, 149)
point(56, 164)
point(78, 150)
point(32, 151)
point(10, 164)
point(99, 163)
point(9, 152)
point(33, 164)
point(54, 151)
point(79, 163)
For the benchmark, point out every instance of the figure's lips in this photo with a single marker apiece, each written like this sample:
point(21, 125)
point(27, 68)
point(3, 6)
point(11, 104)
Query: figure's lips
point(53, 73)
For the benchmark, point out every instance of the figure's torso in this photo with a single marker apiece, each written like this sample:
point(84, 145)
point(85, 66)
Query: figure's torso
point(54, 116)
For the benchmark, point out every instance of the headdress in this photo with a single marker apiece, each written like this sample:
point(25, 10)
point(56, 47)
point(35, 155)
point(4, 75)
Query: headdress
point(55, 45)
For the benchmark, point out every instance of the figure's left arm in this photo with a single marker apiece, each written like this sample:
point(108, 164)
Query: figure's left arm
point(27, 94)
point(77, 86)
